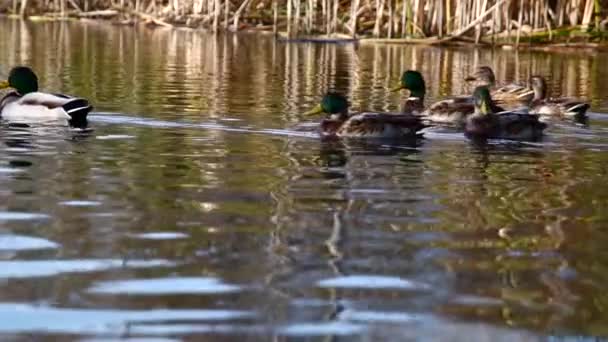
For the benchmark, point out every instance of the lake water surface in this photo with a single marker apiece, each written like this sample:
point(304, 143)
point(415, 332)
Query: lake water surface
point(203, 207)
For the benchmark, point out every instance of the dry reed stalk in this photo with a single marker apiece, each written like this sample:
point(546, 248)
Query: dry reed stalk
point(548, 22)
point(23, 8)
point(481, 9)
point(324, 11)
point(288, 18)
point(275, 15)
point(440, 17)
point(519, 21)
point(313, 15)
point(458, 19)
point(327, 16)
point(477, 11)
point(429, 25)
point(237, 14)
point(587, 14)
point(334, 20)
point(448, 13)
point(573, 11)
point(404, 5)
point(507, 13)
point(227, 11)
point(389, 31)
point(597, 10)
point(379, 15)
point(415, 12)
point(353, 17)
point(309, 16)
point(561, 8)
point(297, 17)
point(475, 22)
point(216, 14)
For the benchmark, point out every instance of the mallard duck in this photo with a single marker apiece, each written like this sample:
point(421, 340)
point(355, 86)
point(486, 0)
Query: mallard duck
point(339, 123)
point(414, 82)
point(27, 104)
point(453, 110)
point(486, 124)
point(556, 107)
point(511, 95)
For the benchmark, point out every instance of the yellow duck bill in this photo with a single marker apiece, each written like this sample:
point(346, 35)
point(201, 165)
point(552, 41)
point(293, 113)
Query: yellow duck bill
point(316, 110)
point(397, 88)
point(4, 84)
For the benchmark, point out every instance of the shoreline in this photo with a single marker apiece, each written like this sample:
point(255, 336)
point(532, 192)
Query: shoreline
point(569, 39)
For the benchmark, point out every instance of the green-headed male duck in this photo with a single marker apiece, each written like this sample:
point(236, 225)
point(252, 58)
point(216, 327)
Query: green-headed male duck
point(339, 123)
point(453, 110)
point(486, 124)
point(27, 104)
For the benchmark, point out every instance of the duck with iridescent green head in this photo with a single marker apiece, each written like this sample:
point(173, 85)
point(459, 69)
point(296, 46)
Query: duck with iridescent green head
point(486, 124)
point(453, 110)
point(26, 104)
point(339, 123)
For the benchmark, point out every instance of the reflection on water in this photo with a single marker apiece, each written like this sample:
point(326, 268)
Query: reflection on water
point(203, 205)
point(162, 286)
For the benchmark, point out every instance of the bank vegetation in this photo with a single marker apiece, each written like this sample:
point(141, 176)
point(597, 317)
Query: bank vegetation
point(430, 21)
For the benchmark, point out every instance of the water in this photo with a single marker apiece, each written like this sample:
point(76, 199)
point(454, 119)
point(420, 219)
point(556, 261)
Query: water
point(202, 205)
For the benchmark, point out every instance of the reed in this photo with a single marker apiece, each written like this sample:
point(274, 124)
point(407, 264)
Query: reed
point(377, 18)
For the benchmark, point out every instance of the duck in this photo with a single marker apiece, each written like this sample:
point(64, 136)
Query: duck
point(485, 124)
point(340, 123)
point(555, 107)
point(27, 104)
point(453, 110)
point(510, 96)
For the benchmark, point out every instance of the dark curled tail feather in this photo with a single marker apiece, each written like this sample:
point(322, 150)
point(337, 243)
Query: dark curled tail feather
point(78, 109)
point(577, 108)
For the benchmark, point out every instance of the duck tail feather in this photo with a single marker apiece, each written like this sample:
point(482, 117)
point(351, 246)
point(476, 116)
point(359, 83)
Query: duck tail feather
point(578, 108)
point(78, 109)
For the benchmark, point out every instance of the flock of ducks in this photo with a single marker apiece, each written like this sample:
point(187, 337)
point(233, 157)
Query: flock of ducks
point(512, 112)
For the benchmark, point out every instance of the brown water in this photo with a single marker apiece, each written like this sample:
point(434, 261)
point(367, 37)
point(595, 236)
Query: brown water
point(202, 206)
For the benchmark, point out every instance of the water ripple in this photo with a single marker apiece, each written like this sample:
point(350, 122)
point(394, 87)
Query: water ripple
point(322, 329)
point(20, 243)
point(164, 286)
point(161, 236)
point(26, 318)
point(372, 282)
point(21, 216)
point(45, 268)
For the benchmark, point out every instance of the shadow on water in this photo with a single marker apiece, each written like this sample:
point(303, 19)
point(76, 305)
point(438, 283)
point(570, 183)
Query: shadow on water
point(203, 205)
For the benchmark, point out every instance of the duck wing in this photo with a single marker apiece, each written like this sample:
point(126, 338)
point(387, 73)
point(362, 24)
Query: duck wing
point(451, 110)
point(388, 118)
point(11, 97)
point(570, 106)
point(512, 93)
point(381, 125)
point(520, 126)
point(76, 108)
point(560, 107)
point(52, 101)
